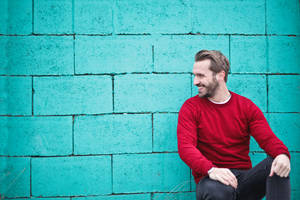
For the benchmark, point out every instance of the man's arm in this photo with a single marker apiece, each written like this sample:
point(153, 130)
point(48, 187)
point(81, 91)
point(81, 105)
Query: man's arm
point(188, 152)
point(268, 141)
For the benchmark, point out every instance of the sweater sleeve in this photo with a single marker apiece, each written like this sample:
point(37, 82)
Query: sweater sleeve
point(262, 133)
point(187, 141)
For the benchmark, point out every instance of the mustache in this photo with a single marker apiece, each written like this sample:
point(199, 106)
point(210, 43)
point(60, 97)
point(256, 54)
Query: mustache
point(200, 85)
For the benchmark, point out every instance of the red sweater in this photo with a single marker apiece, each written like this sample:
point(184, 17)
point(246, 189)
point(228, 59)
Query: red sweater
point(218, 135)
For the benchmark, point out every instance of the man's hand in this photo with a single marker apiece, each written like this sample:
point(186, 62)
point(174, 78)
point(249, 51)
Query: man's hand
point(224, 175)
point(281, 166)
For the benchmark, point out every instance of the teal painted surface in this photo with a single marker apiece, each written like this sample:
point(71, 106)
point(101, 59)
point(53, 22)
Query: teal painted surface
point(164, 127)
point(132, 92)
point(284, 54)
point(93, 17)
point(90, 90)
point(109, 134)
point(36, 55)
point(15, 177)
point(284, 93)
point(112, 55)
point(234, 16)
point(117, 197)
point(283, 17)
point(70, 176)
point(15, 95)
point(54, 17)
point(176, 53)
point(248, 54)
point(40, 136)
point(16, 16)
point(72, 95)
point(169, 16)
point(149, 173)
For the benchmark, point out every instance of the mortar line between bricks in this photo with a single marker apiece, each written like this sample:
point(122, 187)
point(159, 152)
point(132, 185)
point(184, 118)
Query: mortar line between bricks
point(74, 64)
point(145, 73)
point(30, 177)
point(147, 35)
point(267, 83)
point(152, 124)
point(73, 121)
point(229, 46)
point(32, 17)
point(266, 24)
point(32, 99)
point(73, 17)
point(112, 174)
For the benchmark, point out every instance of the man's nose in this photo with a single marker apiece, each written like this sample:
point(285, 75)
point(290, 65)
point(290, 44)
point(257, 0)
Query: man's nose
point(196, 81)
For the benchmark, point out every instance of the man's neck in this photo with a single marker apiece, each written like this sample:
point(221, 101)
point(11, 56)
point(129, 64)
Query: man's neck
point(221, 94)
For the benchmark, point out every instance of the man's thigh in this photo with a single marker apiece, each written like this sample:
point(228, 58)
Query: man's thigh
point(252, 182)
point(214, 190)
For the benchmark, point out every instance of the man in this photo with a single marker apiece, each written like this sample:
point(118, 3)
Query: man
point(213, 132)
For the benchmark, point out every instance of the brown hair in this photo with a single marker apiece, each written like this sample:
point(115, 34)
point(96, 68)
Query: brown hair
point(218, 61)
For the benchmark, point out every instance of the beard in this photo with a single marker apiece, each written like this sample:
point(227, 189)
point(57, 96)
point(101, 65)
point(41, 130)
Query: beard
point(209, 89)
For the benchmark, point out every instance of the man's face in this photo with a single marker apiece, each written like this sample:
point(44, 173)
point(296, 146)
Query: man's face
point(204, 79)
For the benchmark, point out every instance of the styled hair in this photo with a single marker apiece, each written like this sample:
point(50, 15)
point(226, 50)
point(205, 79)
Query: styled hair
point(218, 62)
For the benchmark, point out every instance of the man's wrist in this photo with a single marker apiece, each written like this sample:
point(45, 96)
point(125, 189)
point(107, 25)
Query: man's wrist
point(210, 170)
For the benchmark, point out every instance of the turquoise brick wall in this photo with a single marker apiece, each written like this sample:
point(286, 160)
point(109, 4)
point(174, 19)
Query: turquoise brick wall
point(90, 90)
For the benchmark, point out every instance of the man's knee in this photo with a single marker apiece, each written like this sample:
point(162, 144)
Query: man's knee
point(211, 189)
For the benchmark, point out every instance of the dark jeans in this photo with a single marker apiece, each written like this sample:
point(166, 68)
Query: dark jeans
point(253, 184)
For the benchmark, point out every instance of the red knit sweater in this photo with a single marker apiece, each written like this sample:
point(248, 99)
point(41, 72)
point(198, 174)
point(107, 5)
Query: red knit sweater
point(218, 135)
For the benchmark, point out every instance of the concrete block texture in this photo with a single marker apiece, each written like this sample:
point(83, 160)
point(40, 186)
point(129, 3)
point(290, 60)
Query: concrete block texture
point(72, 95)
point(14, 177)
point(283, 17)
point(135, 173)
point(107, 134)
point(112, 54)
point(233, 16)
point(15, 95)
point(36, 55)
point(93, 16)
point(177, 53)
point(132, 92)
point(36, 136)
point(53, 16)
point(284, 54)
point(117, 197)
point(284, 93)
point(71, 176)
point(169, 16)
point(16, 16)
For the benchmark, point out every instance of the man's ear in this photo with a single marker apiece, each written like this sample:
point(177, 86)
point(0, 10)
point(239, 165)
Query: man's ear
point(221, 75)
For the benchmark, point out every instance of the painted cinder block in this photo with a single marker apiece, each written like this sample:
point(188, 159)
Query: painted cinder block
point(284, 93)
point(43, 198)
point(14, 177)
point(15, 95)
point(36, 55)
point(248, 54)
point(117, 197)
point(257, 157)
point(40, 136)
point(107, 134)
point(16, 16)
point(53, 17)
point(250, 86)
point(234, 16)
point(151, 92)
point(72, 95)
point(284, 54)
point(286, 127)
point(165, 132)
point(177, 53)
point(283, 17)
point(71, 176)
point(170, 16)
point(149, 173)
point(93, 17)
point(112, 54)
point(173, 196)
